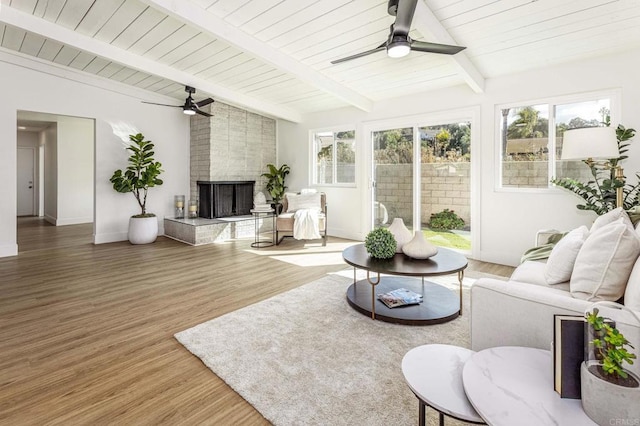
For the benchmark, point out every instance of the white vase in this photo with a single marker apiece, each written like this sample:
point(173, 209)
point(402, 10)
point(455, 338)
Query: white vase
point(400, 232)
point(605, 402)
point(143, 230)
point(419, 247)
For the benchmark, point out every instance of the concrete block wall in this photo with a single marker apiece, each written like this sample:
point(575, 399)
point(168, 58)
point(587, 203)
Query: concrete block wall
point(534, 174)
point(443, 186)
point(234, 144)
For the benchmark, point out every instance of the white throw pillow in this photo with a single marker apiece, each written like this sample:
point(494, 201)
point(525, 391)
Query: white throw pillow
point(297, 202)
point(610, 217)
point(632, 293)
point(604, 262)
point(563, 256)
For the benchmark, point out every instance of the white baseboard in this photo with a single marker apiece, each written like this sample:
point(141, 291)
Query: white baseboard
point(52, 220)
point(73, 221)
point(501, 258)
point(7, 250)
point(110, 238)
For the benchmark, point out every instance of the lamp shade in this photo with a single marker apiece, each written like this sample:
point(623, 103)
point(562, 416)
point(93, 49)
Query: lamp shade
point(590, 142)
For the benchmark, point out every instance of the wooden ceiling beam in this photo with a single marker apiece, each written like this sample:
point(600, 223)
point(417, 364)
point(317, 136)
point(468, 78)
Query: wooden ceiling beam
point(49, 30)
point(190, 13)
point(430, 27)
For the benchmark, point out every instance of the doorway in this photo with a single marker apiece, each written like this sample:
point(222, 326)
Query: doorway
point(55, 179)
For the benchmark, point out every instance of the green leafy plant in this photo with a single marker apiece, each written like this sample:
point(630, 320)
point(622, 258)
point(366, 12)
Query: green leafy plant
point(275, 181)
point(380, 243)
point(610, 345)
point(445, 220)
point(141, 174)
point(599, 193)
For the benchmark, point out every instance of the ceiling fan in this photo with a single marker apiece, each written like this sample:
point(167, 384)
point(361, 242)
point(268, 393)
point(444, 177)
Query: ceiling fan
point(190, 107)
point(399, 43)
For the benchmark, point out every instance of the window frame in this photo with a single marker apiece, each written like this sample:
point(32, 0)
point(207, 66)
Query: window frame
point(313, 163)
point(614, 96)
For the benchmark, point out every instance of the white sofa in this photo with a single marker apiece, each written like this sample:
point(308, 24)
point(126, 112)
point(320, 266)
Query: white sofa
point(519, 312)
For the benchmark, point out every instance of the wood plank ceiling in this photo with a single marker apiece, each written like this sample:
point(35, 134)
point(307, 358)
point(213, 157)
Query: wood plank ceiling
point(273, 56)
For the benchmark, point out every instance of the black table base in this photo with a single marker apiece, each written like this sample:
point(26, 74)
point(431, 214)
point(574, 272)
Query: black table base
point(439, 304)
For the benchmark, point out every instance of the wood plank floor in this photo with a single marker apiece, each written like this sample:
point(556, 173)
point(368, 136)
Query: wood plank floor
point(86, 331)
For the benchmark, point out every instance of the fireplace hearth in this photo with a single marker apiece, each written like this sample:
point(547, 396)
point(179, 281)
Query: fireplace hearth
point(225, 198)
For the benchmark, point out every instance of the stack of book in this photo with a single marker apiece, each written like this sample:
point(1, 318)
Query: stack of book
point(400, 297)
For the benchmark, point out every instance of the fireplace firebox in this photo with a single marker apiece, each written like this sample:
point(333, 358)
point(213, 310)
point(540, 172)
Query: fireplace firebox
point(225, 198)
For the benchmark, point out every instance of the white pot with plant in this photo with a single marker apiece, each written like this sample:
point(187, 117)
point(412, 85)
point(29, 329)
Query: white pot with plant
point(140, 175)
point(610, 392)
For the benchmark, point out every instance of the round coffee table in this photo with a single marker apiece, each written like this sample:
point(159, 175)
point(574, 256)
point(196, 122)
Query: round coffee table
point(439, 303)
point(434, 375)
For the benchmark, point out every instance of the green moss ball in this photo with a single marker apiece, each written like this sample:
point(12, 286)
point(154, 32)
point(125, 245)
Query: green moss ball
point(380, 243)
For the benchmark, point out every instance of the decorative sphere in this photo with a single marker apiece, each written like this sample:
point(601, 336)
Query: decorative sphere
point(380, 244)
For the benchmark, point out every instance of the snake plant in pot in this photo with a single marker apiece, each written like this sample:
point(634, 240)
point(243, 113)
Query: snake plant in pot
point(140, 175)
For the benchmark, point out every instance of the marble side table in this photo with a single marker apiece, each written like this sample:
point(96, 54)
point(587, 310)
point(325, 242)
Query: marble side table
point(514, 386)
point(434, 374)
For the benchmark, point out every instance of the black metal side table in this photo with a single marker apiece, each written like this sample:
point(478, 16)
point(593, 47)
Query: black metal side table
point(263, 214)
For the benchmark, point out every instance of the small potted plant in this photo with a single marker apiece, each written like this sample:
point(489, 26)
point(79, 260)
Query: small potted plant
point(140, 175)
point(275, 183)
point(380, 244)
point(609, 391)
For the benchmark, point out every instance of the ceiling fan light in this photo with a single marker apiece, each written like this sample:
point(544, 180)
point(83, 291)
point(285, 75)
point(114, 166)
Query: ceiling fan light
point(398, 49)
point(189, 112)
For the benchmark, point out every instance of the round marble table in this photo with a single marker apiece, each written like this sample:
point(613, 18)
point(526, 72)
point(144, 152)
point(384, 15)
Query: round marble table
point(514, 386)
point(434, 374)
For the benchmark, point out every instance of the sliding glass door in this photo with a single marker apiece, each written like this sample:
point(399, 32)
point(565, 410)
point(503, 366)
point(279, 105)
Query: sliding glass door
point(392, 176)
point(422, 174)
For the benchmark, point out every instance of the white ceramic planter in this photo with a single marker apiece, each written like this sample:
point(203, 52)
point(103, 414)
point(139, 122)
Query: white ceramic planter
point(143, 230)
point(606, 403)
point(400, 232)
point(419, 247)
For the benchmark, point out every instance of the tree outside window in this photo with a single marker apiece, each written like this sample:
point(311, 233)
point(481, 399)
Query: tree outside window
point(335, 157)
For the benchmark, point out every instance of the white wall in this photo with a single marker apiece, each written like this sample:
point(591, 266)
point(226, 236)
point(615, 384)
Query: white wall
point(50, 188)
point(508, 220)
point(75, 170)
point(30, 85)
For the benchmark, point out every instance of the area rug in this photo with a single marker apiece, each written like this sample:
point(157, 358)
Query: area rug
point(305, 357)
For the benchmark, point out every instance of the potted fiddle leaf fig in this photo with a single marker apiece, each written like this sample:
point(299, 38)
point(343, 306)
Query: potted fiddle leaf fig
point(608, 389)
point(140, 175)
point(275, 183)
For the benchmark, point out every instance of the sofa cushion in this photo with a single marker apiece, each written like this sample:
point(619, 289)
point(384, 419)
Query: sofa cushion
point(610, 217)
point(563, 256)
point(532, 272)
point(604, 262)
point(297, 202)
point(632, 292)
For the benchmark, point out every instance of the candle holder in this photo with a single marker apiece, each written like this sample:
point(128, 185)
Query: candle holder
point(193, 209)
point(179, 206)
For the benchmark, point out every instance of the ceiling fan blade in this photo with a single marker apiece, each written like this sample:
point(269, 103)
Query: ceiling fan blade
point(423, 46)
point(206, 114)
point(404, 16)
point(204, 102)
point(383, 46)
point(153, 103)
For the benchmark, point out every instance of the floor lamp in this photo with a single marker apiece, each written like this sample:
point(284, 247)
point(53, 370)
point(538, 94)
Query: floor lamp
point(594, 143)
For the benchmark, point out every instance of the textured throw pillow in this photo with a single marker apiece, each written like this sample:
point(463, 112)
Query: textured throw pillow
point(563, 256)
point(303, 201)
point(610, 217)
point(605, 262)
point(632, 293)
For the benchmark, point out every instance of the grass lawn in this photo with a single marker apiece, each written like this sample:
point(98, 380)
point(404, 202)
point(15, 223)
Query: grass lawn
point(448, 239)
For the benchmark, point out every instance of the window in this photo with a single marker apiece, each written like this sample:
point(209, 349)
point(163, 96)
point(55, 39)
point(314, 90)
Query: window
point(531, 139)
point(334, 157)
